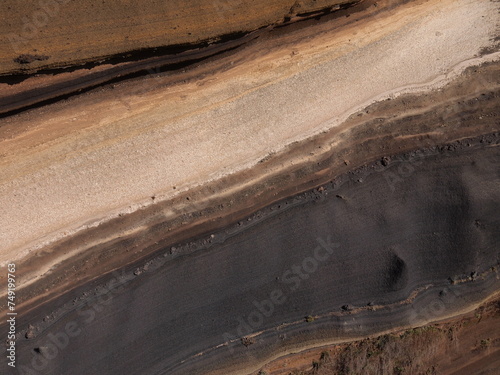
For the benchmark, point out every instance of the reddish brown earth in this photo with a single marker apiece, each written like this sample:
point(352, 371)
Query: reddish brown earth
point(468, 344)
point(57, 33)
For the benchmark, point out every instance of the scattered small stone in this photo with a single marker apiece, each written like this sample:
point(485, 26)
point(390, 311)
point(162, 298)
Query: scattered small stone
point(247, 341)
point(28, 58)
point(385, 161)
point(137, 272)
point(478, 224)
point(30, 332)
point(41, 350)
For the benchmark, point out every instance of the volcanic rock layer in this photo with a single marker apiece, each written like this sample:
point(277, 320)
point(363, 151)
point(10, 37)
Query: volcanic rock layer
point(301, 175)
point(359, 256)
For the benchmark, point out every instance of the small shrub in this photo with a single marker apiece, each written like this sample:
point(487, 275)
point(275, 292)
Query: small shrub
point(309, 318)
point(485, 343)
point(325, 356)
point(398, 370)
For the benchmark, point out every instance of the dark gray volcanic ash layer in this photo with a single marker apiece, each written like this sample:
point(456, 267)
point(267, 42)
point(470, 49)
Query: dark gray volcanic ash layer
point(403, 243)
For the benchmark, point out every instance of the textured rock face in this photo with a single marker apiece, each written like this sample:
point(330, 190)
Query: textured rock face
point(50, 33)
point(365, 254)
point(269, 186)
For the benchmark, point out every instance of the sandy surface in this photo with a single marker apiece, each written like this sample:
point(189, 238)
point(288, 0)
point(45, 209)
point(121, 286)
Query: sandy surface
point(76, 164)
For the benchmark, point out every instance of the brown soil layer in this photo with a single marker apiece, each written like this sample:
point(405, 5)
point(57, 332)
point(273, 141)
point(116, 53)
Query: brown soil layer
point(57, 33)
point(22, 91)
point(468, 344)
